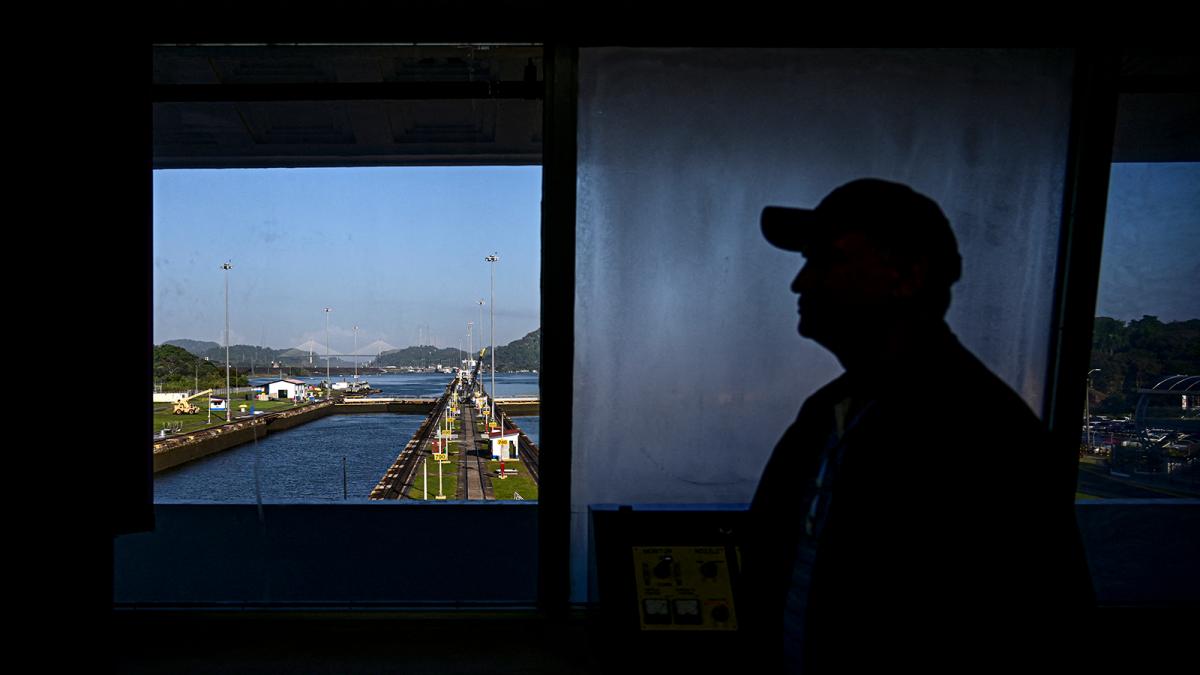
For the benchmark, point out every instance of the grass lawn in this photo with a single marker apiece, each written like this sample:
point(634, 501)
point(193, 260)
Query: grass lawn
point(164, 417)
point(521, 482)
point(449, 475)
point(449, 480)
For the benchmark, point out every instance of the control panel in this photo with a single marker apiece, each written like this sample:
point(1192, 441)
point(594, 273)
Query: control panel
point(684, 588)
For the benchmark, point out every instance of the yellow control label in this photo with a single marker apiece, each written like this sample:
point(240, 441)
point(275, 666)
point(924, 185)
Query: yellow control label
point(683, 588)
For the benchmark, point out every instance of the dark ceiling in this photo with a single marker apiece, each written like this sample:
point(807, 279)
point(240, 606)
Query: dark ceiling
point(346, 105)
point(226, 106)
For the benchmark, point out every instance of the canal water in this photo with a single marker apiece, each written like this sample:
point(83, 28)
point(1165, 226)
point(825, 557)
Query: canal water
point(305, 464)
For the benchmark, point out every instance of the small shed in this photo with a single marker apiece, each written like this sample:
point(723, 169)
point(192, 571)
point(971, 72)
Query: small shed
point(504, 445)
point(286, 388)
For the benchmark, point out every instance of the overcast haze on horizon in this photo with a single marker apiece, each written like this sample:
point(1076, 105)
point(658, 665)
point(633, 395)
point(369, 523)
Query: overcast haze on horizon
point(397, 251)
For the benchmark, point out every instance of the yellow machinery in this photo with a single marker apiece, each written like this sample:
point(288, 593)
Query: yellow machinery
point(183, 407)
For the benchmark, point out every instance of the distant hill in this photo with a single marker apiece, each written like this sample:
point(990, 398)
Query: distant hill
point(522, 354)
point(176, 369)
point(1137, 354)
point(421, 356)
point(245, 356)
point(197, 347)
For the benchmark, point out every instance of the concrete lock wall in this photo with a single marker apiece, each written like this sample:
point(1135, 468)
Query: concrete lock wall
point(208, 442)
point(173, 452)
point(398, 407)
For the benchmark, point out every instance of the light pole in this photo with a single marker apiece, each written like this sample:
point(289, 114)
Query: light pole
point(328, 380)
point(206, 360)
point(493, 258)
point(356, 354)
point(1087, 409)
point(480, 324)
point(228, 265)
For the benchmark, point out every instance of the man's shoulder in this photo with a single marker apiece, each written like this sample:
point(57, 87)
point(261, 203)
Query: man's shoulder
point(960, 390)
point(824, 398)
point(975, 380)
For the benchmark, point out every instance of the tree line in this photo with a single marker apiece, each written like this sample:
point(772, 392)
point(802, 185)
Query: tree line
point(1136, 355)
point(177, 369)
point(522, 354)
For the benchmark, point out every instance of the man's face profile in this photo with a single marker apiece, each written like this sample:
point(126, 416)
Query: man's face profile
point(847, 284)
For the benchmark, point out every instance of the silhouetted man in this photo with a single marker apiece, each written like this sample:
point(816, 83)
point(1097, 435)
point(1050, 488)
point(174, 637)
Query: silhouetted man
point(910, 517)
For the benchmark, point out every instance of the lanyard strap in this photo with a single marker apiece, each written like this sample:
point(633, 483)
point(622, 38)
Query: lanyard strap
point(835, 449)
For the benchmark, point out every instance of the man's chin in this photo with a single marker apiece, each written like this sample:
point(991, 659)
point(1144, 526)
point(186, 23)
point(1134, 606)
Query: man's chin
point(813, 332)
point(805, 329)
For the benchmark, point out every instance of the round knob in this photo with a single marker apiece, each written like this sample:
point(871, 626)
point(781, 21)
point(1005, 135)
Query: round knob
point(663, 569)
point(720, 613)
point(709, 569)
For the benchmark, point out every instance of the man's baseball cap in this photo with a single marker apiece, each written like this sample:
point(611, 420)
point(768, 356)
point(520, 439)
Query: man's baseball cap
point(900, 219)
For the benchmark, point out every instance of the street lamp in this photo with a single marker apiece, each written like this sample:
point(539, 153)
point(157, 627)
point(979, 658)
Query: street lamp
point(328, 380)
point(493, 258)
point(480, 324)
point(356, 354)
point(228, 265)
point(1087, 408)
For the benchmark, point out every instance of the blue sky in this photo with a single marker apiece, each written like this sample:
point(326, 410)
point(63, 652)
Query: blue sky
point(1151, 260)
point(397, 251)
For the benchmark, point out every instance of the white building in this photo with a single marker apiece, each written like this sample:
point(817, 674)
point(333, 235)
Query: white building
point(286, 388)
point(504, 445)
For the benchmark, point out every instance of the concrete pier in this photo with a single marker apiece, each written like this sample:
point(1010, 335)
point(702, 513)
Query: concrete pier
point(478, 483)
point(403, 406)
point(400, 475)
point(176, 450)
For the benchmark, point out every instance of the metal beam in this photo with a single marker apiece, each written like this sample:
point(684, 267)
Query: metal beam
point(556, 371)
point(345, 91)
point(1085, 197)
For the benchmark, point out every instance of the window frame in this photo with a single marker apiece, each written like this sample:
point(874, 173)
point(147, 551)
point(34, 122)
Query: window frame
point(133, 508)
point(1090, 149)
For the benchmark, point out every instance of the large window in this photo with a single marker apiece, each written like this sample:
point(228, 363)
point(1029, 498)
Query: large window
point(398, 256)
point(347, 197)
point(1141, 432)
point(687, 364)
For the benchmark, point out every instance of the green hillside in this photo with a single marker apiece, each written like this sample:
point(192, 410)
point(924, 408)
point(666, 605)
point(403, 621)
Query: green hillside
point(1137, 355)
point(197, 347)
point(177, 369)
point(422, 356)
point(522, 354)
